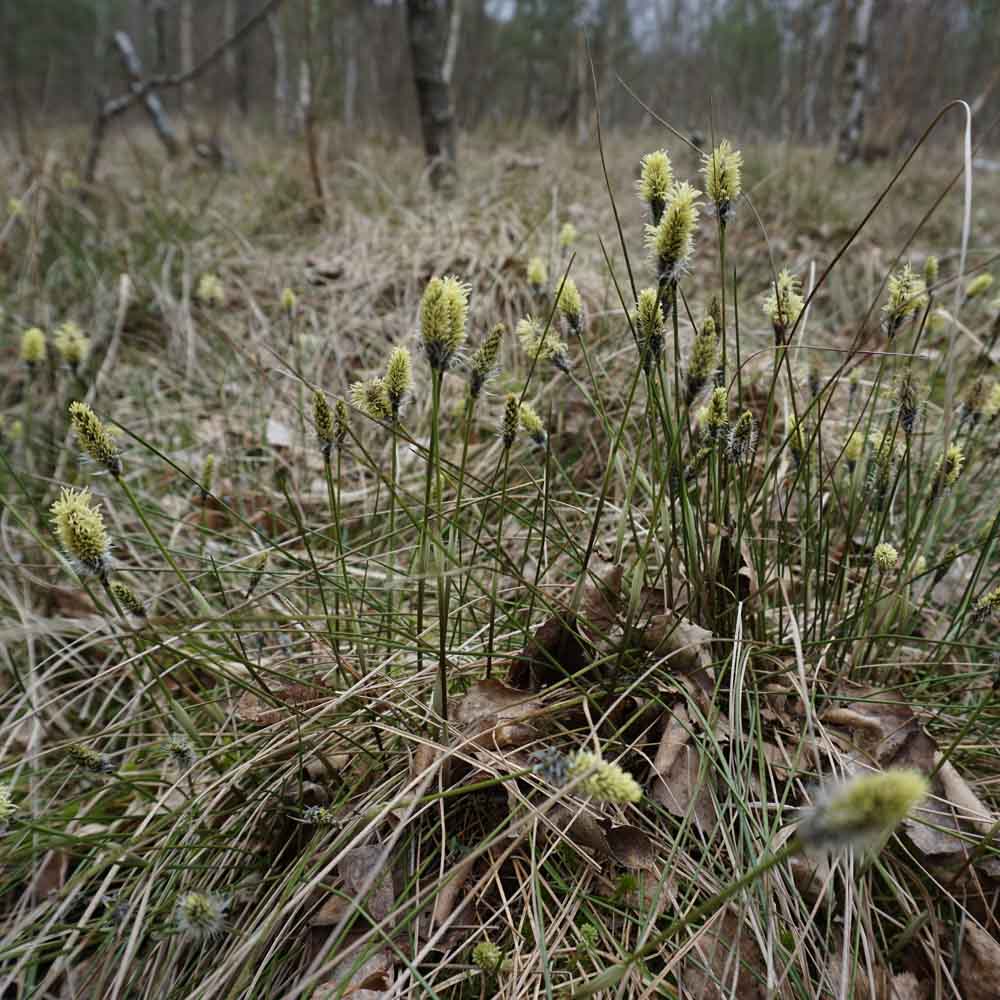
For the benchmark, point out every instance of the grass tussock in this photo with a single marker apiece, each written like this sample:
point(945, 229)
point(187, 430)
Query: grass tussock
point(475, 599)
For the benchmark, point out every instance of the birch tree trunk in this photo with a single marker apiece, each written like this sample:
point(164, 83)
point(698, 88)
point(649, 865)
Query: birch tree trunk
point(427, 22)
point(186, 42)
point(280, 53)
point(854, 81)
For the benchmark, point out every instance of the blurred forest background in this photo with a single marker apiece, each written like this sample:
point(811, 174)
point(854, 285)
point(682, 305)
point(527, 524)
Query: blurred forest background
point(771, 68)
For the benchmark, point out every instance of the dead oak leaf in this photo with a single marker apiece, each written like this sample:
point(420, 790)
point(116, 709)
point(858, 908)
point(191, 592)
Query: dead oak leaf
point(496, 716)
point(677, 782)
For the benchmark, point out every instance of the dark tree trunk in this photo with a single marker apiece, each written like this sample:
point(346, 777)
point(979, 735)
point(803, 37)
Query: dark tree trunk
point(428, 22)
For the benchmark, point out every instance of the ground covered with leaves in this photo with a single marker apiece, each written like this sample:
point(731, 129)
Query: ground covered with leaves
point(402, 645)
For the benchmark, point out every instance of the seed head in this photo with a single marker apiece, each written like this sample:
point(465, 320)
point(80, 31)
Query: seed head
point(93, 437)
point(323, 421)
point(992, 405)
point(570, 306)
point(538, 273)
point(947, 469)
point(210, 291)
point(855, 446)
point(341, 420)
point(487, 956)
point(532, 424)
point(128, 602)
point(178, 748)
point(704, 353)
point(288, 301)
point(201, 915)
point(33, 346)
point(602, 780)
point(511, 419)
point(398, 379)
point(319, 816)
point(371, 398)
point(655, 180)
point(987, 606)
point(717, 418)
point(979, 285)
point(886, 557)
point(484, 361)
point(907, 295)
point(671, 241)
point(864, 810)
point(721, 169)
point(79, 526)
point(783, 304)
point(648, 322)
point(932, 268)
point(907, 392)
point(89, 760)
point(543, 345)
point(567, 235)
point(742, 439)
point(71, 345)
point(444, 310)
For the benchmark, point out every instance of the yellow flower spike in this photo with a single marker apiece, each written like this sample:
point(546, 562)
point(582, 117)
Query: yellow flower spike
point(979, 285)
point(94, 438)
point(855, 446)
point(538, 273)
point(723, 184)
point(532, 424)
point(704, 355)
point(656, 177)
point(671, 242)
point(886, 557)
point(210, 291)
point(717, 419)
point(484, 361)
point(33, 350)
point(947, 470)
point(511, 419)
point(907, 295)
point(783, 305)
point(649, 322)
point(323, 422)
point(567, 235)
point(862, 812)
point(932, 268)
point(128, 602)
point(603, 780)
point(545, 348)
point(987, 606)
point(79, 526)
point(742, 439)
point(570, 305)
point(288, 301)
point(398, 379)
point(443, 314)
point(71, 344)
point(8, 808)
point(371, 398)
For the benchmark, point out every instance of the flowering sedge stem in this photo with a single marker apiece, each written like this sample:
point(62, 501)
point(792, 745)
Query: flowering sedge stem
point(496, 569)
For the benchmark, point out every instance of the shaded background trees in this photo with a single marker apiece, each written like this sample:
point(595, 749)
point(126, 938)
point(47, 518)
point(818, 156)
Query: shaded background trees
point(772, 68)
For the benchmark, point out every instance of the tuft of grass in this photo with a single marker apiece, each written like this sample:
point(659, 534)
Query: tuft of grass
point(521, 681)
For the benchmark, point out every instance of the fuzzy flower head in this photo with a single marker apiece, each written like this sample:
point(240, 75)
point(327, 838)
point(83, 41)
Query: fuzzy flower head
point(987, 606)
point(648, 322)
point(79, 526)
point(210, 291)
point(717, 417)
point(567, 236)
point(979, 285)
point(704, 354)
point(599, 778)
point(485, 361)
point(864, 811)
point(991, 406)
point(908, 394)
point(655, 179)
point(371, 398)
point(94, 438)
point(8, 808)
point(671, 241)
point(947, 469)
point(511, 420)
point(854, 447)
point(570, 306)
point(398, 379)
point(542, 344)
point(721, 169)
point(932, 268)
point(71, 345)
point(89, 760)
point(886, 557)
point(538, 273)
point(783, 304)
point(532, 424)
point(323, 422)
point(487, 956)
point(179, 750)
point(444, 310)
point(127, 600)
point(201, 915)
point(288, 301)
point(907, 295)
point(33, 347)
